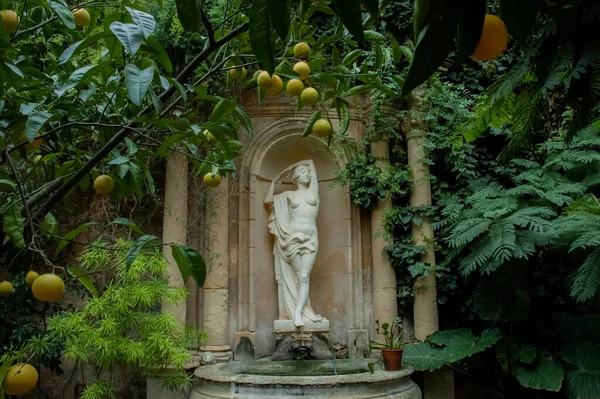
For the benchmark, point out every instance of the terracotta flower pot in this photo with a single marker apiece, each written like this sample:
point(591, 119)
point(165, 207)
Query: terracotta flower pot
point(392, 359)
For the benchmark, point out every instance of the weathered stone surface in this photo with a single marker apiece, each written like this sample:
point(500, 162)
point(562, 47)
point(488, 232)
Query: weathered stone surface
point(295, 379)
point(358, 344)
point(288, 325)
point(244, 346)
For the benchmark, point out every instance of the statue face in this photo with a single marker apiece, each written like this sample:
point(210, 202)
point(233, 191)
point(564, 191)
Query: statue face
point(302, 175)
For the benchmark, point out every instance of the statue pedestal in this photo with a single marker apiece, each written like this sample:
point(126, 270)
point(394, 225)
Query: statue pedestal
point(310, 341)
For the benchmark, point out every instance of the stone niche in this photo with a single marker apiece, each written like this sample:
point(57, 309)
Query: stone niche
point(340, 280)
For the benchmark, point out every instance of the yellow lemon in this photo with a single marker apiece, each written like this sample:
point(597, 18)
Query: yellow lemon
point(104, 184)
point(264, 80)
point(212, 180)
point(493, 41)
point(48, 288)
point(10, 19)
point(20, 379)
point(277, 85)
point(82, 17)
point(6, 288)
point(321, 128)
point(301, 50)
point(237, 74)
point(295, 87)
point(302, 69)
point(30, 277)
point(309, 96)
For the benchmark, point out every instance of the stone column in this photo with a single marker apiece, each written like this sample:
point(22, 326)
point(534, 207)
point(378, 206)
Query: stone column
point(175, 223)
point(216, 294)
point(440, 384)
point(385, 306)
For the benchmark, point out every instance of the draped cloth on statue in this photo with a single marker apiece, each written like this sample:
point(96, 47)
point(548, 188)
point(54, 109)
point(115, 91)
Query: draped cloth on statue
point(287, 245)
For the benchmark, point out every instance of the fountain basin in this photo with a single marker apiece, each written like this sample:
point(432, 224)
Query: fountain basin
point(303, 379)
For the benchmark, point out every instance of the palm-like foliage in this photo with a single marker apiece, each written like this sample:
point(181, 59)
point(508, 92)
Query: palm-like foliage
point(547, 205)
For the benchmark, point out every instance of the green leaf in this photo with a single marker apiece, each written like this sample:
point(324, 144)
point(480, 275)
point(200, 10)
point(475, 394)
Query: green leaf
point(423, 357)
point(461, 343)
point(352, 56)
point(145, 21)
point(72, 234)
point(526, 353)
point(81, 75)
point(244, 120)
point(279, 11)
point(161, 53)
point(131, 36)
point(80, 45)
point(150, 182)
point(188, 12)
point(345, 116)
point(128, 223)
point(190, 263)
point(84, 278)
point(136, 247)
point(138, 82)
point(50, 224)
point(356, 90)
point(261, 37)
point(433, 47)
point(350, 14)
point(311, 121)
point(372, 7)
point(7, 185)
point(138, 185)
point(545, 374)
point(63, 13)
point(584, 381)
point(222, 110)
point(35, 122)
point(373, 36)
point(13, 225)
point(470, 27)
point(420, 14)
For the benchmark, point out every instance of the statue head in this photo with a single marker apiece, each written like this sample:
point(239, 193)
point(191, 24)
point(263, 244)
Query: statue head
point(301, 175)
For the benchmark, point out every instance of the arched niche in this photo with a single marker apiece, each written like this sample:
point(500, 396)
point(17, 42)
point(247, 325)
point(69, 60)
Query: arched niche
point(336, 280)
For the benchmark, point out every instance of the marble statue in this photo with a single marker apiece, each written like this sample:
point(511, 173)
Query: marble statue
point(293, 222)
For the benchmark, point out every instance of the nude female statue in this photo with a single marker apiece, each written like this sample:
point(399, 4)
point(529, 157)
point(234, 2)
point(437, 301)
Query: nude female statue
point(293, 222)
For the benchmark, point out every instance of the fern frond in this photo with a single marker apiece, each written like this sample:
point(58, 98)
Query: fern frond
point(525, 163)
point(532, 218)
point(478, 257)
point(503, 238)
point(596, 79)
point(587, 279)
point(525, 245)
point(466, 231)
point(586, 240)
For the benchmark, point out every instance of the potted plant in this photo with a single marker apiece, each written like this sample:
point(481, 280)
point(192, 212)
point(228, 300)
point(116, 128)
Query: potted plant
point(391, 347)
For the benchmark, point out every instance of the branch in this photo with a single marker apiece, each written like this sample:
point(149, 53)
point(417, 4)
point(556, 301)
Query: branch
point(38, 26)
point(207, 26)
point(22, 193)
point(125, 131)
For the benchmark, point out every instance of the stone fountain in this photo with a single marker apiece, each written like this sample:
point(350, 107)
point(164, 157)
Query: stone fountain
point(296, 276)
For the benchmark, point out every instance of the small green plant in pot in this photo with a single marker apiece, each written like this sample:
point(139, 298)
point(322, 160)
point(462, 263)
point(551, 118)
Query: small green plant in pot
point(391, 347)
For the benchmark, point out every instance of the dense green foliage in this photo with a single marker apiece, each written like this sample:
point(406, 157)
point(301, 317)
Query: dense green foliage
point(122, 328)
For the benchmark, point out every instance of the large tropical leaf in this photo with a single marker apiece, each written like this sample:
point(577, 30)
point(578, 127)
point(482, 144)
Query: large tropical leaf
point(584, 381)
point(461, 343)
point(423, 356)
point(544, 374)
